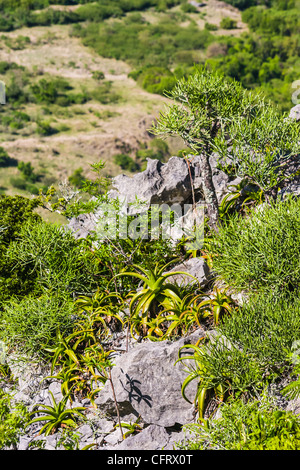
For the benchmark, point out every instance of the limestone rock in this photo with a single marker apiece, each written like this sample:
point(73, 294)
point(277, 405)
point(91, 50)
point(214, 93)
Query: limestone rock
point(148, 383)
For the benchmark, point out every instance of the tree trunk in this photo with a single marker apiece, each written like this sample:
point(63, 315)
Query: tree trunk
point(209, 192)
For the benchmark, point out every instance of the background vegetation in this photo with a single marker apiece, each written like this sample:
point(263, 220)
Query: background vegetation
point(62, 299)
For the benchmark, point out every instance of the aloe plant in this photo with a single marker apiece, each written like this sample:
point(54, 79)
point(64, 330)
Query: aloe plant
point(57, 415)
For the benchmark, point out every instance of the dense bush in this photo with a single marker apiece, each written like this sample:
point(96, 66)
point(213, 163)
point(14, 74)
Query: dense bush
point(265, 327)
point(149, 44)
point(272, 20)
point(18, 13)
point(157, 80)
point(262, 250)
point(37, 257)
point(14, 213)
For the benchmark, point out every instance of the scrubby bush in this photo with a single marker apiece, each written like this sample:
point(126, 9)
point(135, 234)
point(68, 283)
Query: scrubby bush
point(13, 420)
point(247, 425)
point(211, 27)
point(5, 159)
point(44, 128)
point(157, 80)
point(104, 93)
point(125, 162)
point(98, 75)
point(28, 172)
point(188, 8)
point(32, 322)
point(14, 213)
point(265, 328)
point(77, 178)
point(14, 119)
point(228, 23)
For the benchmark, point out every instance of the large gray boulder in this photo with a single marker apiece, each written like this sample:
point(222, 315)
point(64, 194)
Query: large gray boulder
point(295, 112)
point(147, 383)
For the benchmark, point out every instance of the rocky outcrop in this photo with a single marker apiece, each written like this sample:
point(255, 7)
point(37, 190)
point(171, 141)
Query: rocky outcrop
point(147, 385)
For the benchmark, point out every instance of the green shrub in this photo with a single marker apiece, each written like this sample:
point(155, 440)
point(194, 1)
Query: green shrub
point(104, 93)
point(125, 162)
point(156, 80)
point(44, 128)
point(98, 75)
point(27, 172)
point(143, 44)
point(188, 8)
point(13, 420)
point(211, 27)
point(6, 23)
point(15, 211)
point(77, 179)
point(6, 160)
point(265, 328)
point(272, 21)
point(32, 189)
point(4, 66)
point(45, 91)
point(15, 119)
point(15, 93)
point(32, 322)
point(52, 255)
point(262, 250)
point(242, 4)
